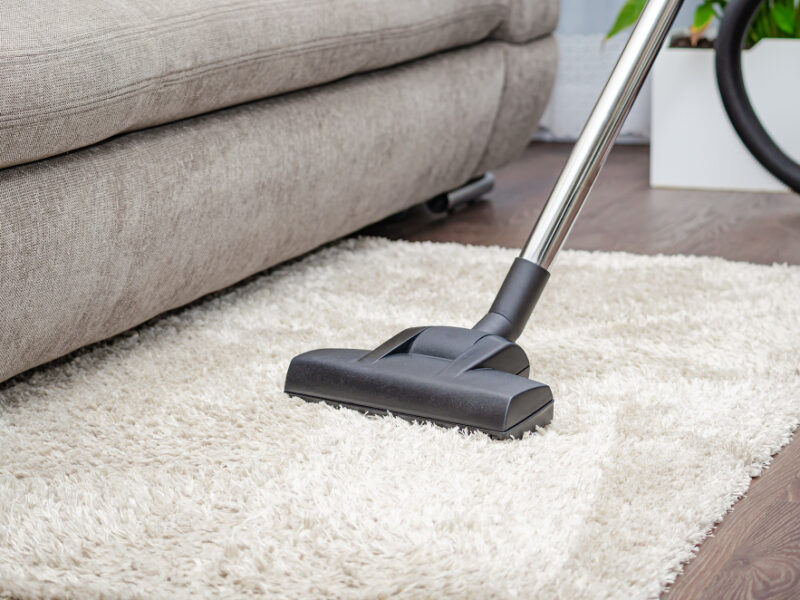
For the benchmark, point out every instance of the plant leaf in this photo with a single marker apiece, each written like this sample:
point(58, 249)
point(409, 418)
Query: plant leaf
point(702, 20)
point(703, 16)
point(626, 17)
point(783, 17)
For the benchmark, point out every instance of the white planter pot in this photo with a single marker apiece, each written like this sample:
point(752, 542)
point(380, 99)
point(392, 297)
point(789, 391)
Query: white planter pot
point(693, 145)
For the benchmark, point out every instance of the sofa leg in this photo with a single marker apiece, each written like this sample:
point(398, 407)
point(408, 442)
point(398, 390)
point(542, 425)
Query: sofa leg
point(468, 192)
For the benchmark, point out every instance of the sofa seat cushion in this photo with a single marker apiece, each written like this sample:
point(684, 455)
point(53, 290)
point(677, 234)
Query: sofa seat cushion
point(75, 72)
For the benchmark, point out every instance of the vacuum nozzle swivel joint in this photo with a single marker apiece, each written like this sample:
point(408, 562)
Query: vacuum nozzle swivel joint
point(515, 301)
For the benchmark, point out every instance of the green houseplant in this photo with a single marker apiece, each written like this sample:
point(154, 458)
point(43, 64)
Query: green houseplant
point(775, 19)
point(692, 143)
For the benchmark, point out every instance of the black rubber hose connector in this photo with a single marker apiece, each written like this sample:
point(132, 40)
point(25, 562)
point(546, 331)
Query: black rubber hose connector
point(514, 303)
point(730, 42)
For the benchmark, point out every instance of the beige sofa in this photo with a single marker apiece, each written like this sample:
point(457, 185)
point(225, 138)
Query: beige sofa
point(152, 152)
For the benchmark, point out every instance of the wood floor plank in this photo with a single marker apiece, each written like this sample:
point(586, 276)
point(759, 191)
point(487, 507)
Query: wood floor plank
point(755, 551)
point(766, 563)
point(622, 213)
point(779, 485)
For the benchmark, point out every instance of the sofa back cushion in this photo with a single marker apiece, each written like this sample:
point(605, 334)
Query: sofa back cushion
point(75, 72)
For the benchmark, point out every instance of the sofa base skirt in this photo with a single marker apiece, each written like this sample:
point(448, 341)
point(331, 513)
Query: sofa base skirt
point(101, 239)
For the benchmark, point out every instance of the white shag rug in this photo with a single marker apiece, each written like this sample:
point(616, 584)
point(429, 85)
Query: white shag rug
point(168, 464)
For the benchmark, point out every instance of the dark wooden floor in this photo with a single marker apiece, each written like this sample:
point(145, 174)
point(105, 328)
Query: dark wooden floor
point(755, 551)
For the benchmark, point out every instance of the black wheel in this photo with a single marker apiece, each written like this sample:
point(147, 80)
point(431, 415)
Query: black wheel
point(729, 45)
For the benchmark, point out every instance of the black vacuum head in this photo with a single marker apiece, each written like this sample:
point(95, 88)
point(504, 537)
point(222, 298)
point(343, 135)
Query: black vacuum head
point(448, 375)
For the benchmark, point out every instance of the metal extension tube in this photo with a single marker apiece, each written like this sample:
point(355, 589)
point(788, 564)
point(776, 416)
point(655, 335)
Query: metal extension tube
point(599, 133)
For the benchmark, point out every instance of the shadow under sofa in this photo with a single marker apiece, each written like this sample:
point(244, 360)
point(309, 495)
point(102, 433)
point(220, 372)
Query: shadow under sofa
point(102, 238)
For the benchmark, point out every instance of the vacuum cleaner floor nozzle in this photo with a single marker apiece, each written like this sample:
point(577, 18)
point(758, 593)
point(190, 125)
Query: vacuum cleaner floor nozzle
point(450, 376)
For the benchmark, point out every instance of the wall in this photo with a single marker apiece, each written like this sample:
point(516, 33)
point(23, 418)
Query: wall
point(586, 60)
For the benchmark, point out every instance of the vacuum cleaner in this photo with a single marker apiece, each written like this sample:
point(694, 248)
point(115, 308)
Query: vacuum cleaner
point(477, 379)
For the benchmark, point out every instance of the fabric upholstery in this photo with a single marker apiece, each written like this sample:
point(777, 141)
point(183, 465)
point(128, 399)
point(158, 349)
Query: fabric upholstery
point(76, 72)
point(527, 19)
point(98, 240)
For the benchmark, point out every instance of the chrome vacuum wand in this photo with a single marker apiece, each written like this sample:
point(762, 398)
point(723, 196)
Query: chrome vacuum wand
point(478, 378)
point(598, 135)
point(528, 275)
